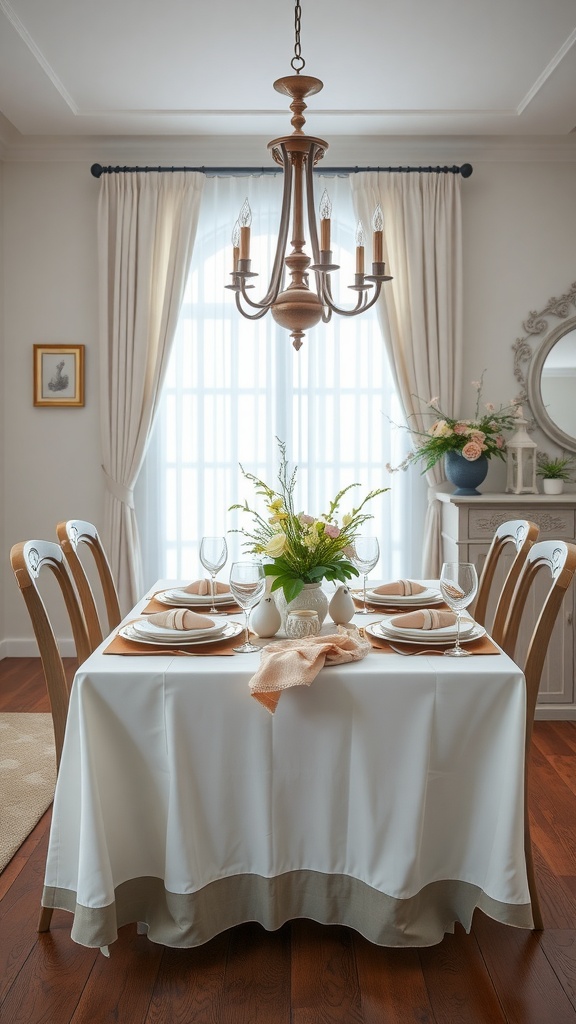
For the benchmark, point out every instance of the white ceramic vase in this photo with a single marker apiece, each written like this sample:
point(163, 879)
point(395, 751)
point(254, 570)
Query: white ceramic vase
point(312, 597)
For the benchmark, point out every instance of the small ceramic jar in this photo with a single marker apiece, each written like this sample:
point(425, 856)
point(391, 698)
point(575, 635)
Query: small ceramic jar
point(302, 622)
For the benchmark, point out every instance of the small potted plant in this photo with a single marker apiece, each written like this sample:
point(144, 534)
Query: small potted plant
point(554, 471)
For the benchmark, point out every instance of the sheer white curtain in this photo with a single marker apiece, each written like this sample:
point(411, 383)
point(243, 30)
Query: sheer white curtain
point(421, 309)
point(146, 227)
point(233, 386)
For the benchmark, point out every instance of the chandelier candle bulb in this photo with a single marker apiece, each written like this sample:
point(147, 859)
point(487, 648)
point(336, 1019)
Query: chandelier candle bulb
point(245, 220)
point(378, 225)
point(360, 249)
point(325, 212)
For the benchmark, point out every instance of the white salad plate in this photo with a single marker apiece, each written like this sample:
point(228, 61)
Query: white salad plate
point(179, 598)
point(424, 600)
point(230, 629)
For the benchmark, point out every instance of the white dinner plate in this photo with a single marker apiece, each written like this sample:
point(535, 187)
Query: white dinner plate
point(179, 598)
point(230, 629)
point(426, 638)
point(148, 629)
point(424, 600)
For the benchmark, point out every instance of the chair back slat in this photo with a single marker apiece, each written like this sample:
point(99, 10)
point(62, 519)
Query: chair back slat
point(71, 535)
point(521, 534)
point(29, 559)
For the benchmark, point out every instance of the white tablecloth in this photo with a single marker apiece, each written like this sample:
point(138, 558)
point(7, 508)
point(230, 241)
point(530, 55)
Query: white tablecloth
point(388, 796)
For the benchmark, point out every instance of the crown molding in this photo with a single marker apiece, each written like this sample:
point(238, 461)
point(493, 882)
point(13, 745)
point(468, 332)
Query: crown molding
point(252, 150)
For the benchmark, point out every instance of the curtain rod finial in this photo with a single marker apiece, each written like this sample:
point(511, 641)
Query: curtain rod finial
point(466, 170)
point(96, 170)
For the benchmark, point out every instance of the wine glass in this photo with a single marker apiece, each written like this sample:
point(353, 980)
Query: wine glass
point(247, 583)
point(458, 585)
point(213, 555)
point(364, 557)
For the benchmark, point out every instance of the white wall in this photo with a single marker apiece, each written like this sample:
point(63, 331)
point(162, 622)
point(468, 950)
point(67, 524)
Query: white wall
point(519, 221)
point(52, 456)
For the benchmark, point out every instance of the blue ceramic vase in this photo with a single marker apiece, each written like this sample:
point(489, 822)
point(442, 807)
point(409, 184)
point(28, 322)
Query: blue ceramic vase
point(465, 475)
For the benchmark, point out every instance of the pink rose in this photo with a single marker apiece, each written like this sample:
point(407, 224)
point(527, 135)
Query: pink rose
point(332, 531)
point(306, 520)
point(472, 451)
point(460, 428)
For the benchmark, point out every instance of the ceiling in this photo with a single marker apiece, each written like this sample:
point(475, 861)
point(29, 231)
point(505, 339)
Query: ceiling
point(143, 67)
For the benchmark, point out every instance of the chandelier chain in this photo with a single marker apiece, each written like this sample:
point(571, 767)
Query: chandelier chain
point(297, 63)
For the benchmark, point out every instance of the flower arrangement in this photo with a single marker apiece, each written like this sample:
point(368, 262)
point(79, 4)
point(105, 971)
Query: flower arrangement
point(559, 468)
point(482, 435)
point(302, 548)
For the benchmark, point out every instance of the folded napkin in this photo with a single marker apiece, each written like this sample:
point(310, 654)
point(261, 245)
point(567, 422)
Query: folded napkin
point(202, 587)
point(424, 618)
point(180, 618)
point(400, 588)
point(298, 662)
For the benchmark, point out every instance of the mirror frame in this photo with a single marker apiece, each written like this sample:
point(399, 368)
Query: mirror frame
point(529, 361)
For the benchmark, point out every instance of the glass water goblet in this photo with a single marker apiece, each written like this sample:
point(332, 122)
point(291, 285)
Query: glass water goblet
point(213, 555)
point(364, 557)
point(458, 585)
point(247, 583)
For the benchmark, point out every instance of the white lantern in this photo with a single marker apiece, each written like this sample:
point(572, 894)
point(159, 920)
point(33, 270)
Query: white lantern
point(521, 460)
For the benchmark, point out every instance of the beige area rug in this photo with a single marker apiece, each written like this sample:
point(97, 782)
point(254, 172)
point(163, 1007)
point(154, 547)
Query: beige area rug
point(27, 777)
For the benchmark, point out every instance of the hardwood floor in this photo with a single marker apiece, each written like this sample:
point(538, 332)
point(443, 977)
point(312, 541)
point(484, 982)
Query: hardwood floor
point(304, 973)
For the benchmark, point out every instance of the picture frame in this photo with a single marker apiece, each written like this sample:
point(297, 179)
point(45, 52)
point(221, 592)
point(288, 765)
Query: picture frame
point(59, 375)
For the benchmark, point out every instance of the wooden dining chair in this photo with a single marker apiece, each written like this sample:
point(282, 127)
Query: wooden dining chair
point(522, 534)
point(71, 535)
point(29, 559)
point(554, 561)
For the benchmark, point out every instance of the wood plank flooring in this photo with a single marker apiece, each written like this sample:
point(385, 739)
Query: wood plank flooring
point(304, 973)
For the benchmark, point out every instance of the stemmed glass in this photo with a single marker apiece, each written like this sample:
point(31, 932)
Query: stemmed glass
point(213, 555)
point(247, 583)
point(364, 557)
point(458, 585)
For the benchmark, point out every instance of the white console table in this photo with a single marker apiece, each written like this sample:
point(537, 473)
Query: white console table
point(468, 525)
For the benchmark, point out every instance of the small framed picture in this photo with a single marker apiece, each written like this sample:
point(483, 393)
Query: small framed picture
point(59, 375)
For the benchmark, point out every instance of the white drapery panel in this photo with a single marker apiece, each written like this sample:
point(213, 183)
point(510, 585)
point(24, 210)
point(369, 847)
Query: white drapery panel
point(233, 386)
point(146, 228)
point(421, 309)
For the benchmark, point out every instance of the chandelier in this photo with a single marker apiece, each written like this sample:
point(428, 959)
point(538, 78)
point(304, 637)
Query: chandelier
point(297, 307)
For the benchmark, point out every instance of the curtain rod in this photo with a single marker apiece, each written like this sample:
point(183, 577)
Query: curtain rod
point(97, 169)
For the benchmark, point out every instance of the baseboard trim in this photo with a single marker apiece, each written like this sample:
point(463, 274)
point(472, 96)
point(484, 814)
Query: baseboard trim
point(553, 713)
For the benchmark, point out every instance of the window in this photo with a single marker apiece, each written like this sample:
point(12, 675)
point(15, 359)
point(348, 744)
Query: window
point(233, 386)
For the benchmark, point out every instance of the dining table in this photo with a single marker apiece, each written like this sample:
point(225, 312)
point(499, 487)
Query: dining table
point(387, 796)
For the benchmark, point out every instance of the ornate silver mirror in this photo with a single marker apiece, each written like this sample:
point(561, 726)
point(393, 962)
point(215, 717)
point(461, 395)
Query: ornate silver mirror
point(546, 369)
